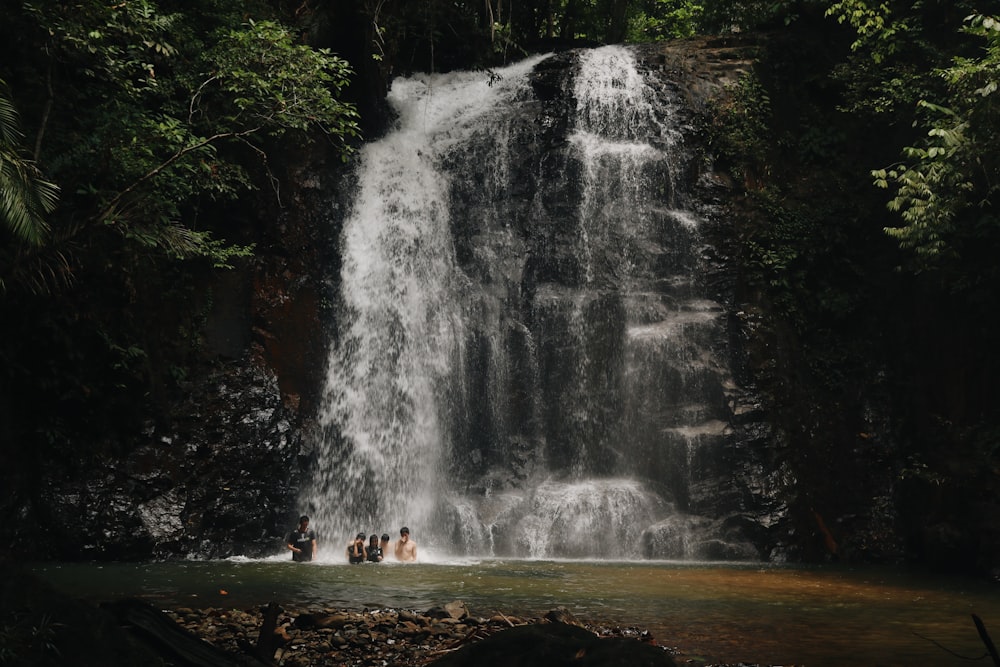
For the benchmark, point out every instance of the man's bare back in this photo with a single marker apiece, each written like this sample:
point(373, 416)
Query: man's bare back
point(405, 549)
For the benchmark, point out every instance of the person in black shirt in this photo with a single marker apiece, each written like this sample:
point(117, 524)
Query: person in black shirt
point(356, 552)
point(302, 542)
point(374, 551)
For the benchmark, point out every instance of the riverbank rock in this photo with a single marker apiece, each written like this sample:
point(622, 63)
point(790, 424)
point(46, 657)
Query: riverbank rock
point(454, 610)
point(554, 645)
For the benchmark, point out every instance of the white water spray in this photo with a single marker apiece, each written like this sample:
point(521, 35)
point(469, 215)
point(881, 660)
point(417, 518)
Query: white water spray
point(523, 311)
point(401, 330)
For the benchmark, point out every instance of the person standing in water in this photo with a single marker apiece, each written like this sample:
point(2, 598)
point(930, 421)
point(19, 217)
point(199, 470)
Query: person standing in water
point(383, 545)
point(374, 551)
point(302, 542)
point(356, 551)
point(405, 548)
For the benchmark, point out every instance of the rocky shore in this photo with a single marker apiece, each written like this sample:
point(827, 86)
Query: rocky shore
point(306, 637)
point(42, 627)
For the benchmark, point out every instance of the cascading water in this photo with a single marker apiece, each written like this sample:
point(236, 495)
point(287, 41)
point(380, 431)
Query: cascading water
point(526, 363)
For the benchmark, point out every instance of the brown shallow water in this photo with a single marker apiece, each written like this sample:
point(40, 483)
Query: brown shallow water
point(768, 614)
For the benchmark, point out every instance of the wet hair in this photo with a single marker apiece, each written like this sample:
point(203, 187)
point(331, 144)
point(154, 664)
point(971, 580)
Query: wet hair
point(385, 536)
point(303, 518)
point(373, 538)
point(404, 531)
point(360, 536)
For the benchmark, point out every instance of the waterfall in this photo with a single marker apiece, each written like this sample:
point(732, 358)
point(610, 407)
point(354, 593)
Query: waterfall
point(525, 362)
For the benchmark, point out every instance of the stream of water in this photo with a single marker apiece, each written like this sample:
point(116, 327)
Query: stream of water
point(756, 613)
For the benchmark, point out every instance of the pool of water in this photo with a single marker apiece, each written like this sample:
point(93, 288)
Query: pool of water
point(757, 613)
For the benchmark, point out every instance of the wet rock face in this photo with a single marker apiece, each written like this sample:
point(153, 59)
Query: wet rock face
point(219, 473)
point(222, 480)
point(600, 301)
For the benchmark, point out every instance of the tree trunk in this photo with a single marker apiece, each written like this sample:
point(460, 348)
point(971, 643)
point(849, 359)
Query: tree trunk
point(619, 22)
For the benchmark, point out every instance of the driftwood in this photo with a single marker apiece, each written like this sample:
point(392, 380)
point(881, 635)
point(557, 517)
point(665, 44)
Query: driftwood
point(307, 621)
point(509, 622)
point(269, 640)
point(981, 628)
point(158, 631)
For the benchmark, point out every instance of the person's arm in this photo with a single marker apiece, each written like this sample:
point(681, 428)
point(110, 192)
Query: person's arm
point(291, 545)
point(313, 548)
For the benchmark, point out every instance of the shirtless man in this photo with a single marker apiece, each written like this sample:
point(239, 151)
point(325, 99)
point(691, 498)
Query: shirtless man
point(405, 549)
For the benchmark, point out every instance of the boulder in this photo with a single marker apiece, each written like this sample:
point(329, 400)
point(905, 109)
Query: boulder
point(555, 645)
point(561, 615)
point(454, 610)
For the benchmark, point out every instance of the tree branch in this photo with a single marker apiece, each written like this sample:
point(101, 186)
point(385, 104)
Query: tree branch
point(45, 112)
point(981, 628)
point(169, 161)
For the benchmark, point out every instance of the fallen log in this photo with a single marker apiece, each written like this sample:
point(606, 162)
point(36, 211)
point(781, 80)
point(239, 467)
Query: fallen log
point(158, 631)
point(270, 638)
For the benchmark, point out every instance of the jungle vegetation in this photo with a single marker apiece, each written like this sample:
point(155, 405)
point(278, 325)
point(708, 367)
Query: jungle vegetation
point(137, 137)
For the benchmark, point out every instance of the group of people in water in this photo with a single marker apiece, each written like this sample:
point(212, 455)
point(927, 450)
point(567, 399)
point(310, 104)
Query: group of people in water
point(302, 543)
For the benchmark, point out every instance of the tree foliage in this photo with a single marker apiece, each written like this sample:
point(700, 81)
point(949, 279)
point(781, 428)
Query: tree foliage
point(663, 19)
point(157, 121)
point(168, 107)
point(444, 34)
point(946, 190)
point(144, 115)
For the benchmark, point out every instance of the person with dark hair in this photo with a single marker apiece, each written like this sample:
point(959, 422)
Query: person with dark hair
point(302, 542)
point(383, 544)
point(405, 548)
point(356, 551)
point(374, 551)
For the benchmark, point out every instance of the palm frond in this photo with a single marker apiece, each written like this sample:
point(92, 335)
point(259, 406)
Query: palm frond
point(25, 197)
point(10, 133)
